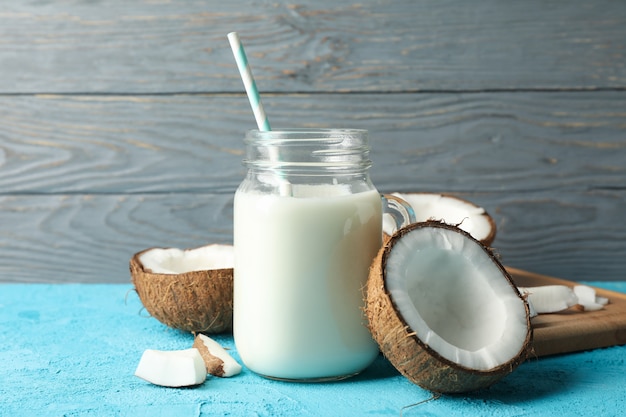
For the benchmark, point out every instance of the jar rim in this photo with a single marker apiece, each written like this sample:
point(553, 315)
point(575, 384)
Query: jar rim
point(308, 149)
point(313, 134)
point(308, 129)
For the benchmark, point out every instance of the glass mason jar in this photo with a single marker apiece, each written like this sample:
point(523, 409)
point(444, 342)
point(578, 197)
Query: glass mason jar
point(307, 225)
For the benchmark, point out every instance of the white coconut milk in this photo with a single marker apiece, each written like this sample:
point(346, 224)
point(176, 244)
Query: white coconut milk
point(301, 263)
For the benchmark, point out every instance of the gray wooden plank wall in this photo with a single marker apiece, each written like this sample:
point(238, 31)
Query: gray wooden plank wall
point(121, 122)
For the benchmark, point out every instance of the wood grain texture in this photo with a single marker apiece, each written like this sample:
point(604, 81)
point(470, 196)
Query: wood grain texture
point(91, 238)
point(383, 45)
point(121, 123)
point(496, 142)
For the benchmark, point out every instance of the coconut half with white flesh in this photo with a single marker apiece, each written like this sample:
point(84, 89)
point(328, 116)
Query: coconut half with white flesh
point(444, 311)
point(450, 209)
point(190, 290)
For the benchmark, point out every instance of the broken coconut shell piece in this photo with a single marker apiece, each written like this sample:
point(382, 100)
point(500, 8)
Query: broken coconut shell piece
point(444, 311)
point(216, 359)
point(451, 210)
point(190, 290)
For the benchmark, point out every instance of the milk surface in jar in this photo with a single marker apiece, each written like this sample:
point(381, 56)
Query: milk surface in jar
point(302, 255)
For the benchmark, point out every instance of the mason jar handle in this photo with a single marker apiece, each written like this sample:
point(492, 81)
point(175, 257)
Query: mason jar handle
point(399, 210)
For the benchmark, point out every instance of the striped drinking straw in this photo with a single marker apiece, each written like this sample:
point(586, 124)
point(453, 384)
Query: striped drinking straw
point(248, 82)
point(255, 101)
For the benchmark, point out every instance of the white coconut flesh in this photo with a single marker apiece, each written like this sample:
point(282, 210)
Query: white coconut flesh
point(427, 206)
point(452, 294)
point(179, 261)
point(175, 368)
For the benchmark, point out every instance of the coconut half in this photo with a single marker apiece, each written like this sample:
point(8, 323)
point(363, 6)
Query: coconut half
point(190, 290)
point(444, 311)
point(450, 209)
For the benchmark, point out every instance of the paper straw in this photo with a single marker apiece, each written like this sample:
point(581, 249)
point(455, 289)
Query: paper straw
point(255, 101)
point(248, 82)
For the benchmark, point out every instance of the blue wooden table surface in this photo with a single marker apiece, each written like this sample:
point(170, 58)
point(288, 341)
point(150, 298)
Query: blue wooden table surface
point(71, 350)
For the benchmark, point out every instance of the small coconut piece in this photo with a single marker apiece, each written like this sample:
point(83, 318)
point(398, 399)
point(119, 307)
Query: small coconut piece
point(602, 300)
point(450, 209)
point(549, 298)
point(216, 359)
point(190, 290)
point(587, 298)
point(555, 298)
point(444, 311)
point(175, 368)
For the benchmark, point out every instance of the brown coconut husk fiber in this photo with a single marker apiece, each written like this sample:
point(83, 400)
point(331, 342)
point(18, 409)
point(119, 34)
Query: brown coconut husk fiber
point(197, 301)
point(403, 348)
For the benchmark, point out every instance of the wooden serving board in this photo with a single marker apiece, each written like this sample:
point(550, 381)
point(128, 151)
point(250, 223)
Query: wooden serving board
point(573, 330)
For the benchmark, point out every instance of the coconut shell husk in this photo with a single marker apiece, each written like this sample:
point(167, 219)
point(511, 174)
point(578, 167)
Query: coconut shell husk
point(407, 353)
point(197, 301)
